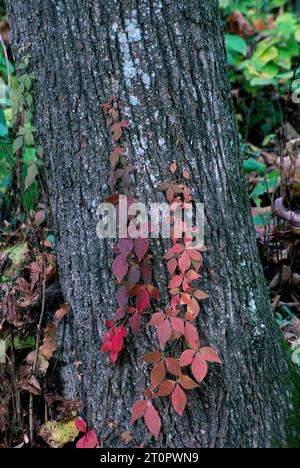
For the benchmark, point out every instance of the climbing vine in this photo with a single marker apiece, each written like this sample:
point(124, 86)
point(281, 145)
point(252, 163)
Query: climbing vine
point(179, 362)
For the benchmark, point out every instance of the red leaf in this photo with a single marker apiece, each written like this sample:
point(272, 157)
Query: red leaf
point(133, 275)
point(158, 374)
point(173, 367)
point(152, 291)
point(117, 342)
point(164, 332)
point(81, 425)
point(152, 421)
point(210, 355)
point(170, 194)
point(173, 167)
point(152, 357)
point(200, 295)
point(141, 246)
point(122, 296)
point(199, 368)
point(191, 335)
point(125, 246)
point(186, 298)
point(186, 174)
point(177, 248)
point(120, 267)
point(138, 410)
point(117, 131)
point(195, 255)
point(192, 275)
point(135, 323)
point(184, 262)
point(172, 265)
point(178, 400)
point(187, 383)
point(89, 441)
point(146, 271)
point(177, 325)
point(176, 282)
point(157, 319)
point(186, 357)
point(166, 388)
point(143, 300)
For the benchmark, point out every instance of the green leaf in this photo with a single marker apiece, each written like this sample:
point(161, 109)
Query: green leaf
point(18, 143)
point(252, 165)
point(24, 343)
point(31, 175)
point(236, 44)
point(27, 83)
point(269, 54)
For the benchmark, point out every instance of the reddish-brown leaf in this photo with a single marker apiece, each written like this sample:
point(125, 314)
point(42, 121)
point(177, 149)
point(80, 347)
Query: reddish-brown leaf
point(170, 194)
point(158, 374)
point(141, 246)
point(187, 383)
point(178, 400)
point(152, 421)
point(195, 255)
point(152, 291)
point(177, 248)
point(157, 319)
point(172, 265)
point(138, 410)
point(173, 167)
point(186, 298)
point(120, 267)
point(60, 313)
point(135, 323)
point(177, 325)
point(125, 246)
point(186, 357)
point(152, 357)
point(192, 275)
point(191, 335)
point(199, 368)
point(184, 262)
point(48, 347)
point(200, 295)
point(166, 388)
point(164, 332)
point(210, 355)
point(176, 282)
point(173, 366)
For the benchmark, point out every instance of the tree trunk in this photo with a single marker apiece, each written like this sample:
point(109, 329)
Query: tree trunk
point(165, 60)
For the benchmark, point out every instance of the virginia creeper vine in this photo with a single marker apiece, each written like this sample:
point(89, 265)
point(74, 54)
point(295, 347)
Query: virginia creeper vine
point(133, 272)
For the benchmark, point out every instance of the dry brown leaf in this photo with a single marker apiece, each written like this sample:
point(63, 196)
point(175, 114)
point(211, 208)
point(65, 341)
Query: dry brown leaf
point(238, 24)
point(60, 313)
point(48, 347)
point(30, 385)
point(126, 437)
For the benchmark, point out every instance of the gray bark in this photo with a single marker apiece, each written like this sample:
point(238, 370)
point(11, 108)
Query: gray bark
point(165, 60)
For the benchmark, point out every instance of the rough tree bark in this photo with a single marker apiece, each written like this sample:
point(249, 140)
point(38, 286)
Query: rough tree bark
point(165, 60)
